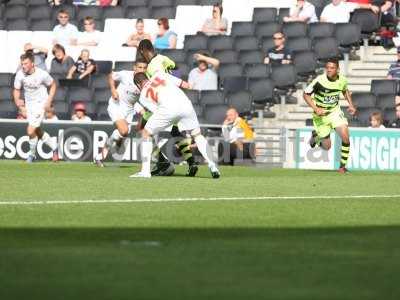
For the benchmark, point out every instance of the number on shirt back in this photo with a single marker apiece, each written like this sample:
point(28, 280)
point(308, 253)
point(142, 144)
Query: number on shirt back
point(151, 93)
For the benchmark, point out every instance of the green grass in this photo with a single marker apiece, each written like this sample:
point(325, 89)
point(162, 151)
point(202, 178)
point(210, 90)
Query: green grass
point(342, 248)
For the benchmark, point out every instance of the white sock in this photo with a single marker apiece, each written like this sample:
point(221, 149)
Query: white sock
point(49, 141)
point(204, 149)
point(32, 146)
point(147, 149)
point(116, 136)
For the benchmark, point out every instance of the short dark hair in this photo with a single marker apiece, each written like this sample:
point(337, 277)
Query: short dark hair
point(139, 78)
point(63, 11)
point(164, 22)
point(140, 60)
point(333, 61)
point(140, 20)
point(27, 55)
point(58, 47)
point(221, 9)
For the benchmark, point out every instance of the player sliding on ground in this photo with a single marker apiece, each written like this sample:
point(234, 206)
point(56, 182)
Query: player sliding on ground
point(122, 106)
point(172, 105)
point(322, 95)
point(35, 82)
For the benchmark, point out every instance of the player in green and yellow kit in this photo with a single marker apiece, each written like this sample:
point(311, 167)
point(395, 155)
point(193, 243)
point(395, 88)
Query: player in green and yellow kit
point(156, 63)
point(322, 95)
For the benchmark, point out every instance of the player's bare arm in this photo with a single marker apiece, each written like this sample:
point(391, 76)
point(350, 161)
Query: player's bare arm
point(17, 98)
point(351, 109)
point(52, 93)
point(111, 83)
point(318, 110)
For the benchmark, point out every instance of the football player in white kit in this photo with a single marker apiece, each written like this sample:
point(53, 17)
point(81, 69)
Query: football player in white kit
point(35, 83)
point(172, 105)
point(122, 106)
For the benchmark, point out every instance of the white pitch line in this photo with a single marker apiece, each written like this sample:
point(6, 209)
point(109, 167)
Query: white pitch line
point(200, 199)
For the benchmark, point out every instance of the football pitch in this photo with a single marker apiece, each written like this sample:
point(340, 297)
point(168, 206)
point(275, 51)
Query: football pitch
point(74, 231)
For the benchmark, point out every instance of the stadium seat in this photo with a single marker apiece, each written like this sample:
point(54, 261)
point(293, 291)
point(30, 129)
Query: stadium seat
point(163, 12)
point(364, 99)
point(233, 84)
point(15, 12)
point(37, 2)
point(99, 81)
point(208, 2)
point(390, 118)
point(242, 29)
point(41, 25)
point(6, 79)
point(211, 97)
point(15, 2)
point(195, 42)
point(220, 43)
point(215, 114)
point(259, 70)
point(62, 110)
point(306, 64)
point(182, 71)
point(68, 7)
point(241, 101)
point(284, 78)
point(123, 65)
point(198, 109)
point(160, 3)
point(142, 12)
point(61, 94)
point(264, 14)
point(348, 35)
point(8, 110)
point(326, 48)
point(386, 101)
point(267, 29)
point(5, 93)
point(299, 44)
point(283, 12)
point(363, 115)
point(89, 11)
point(384, 86)
point(368, 21)
point(226, 56)
point(251, 57)
point(80, 94)
point(126, 3)
point(193, 95)
point(246, 43)
point(294, 29)
point(229, 70)
point(267, 43)
point(101, 112)
point(102, 95)
point(17, 24)
point(177, 55)
point(262, 91)
point(113, 12)
point(186, 2)
point(103, 66)
point(39, 12)
point(320, 30)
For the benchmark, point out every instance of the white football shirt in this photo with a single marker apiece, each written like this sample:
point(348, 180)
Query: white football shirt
point(127, 90)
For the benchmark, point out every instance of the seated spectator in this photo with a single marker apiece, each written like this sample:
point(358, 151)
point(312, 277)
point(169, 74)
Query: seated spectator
point(165, 39)
point(204, 77)
point(376, 120)
point(39, 54)
point(216, 25)
point(279, 54)
point(238, 138)
point(83, 67)
point(50, 114)
point(339, 11)
point(65, 33)
point(80, 113)
point(303, 11)
point(91, 36)
point(61, 63)
point(107, 2)
point(56, 2)
point(135, 38)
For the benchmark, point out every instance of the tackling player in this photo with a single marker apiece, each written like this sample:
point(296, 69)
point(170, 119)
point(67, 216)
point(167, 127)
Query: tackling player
point(121, 107)
point(161, 63)
point(172, 106)
point(322, 95)
point(35, 82)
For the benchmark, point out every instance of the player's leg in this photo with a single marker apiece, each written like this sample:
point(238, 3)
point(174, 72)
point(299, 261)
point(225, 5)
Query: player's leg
point(339, 122)
point(33, 141)
point(49, 141)
point(320, 136)
point(183, 144)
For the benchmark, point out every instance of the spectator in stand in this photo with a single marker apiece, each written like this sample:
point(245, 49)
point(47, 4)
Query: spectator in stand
point(339, 11)
point(376, 120)
point(65, 33)
point(91, 36)
point(56, 2)
point(61, 63)
point(166, 38)
point(83, 67)
point(303, 11)
point(50, 114)
point(279, 54)
point(84, 2)
point(135, 38)
point(238, 138)
point(39, 54)
point(80, 113)
point(107, 2)
point(204, 77)
point(216, 25)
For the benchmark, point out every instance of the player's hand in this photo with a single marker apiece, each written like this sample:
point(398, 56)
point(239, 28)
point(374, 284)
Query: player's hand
point(352, 110)
point(114, 95)
point(22, 111)
point(320, 111)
